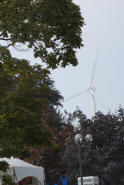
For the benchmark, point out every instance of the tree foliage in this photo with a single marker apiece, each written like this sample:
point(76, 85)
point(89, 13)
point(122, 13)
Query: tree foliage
point(52, 28)
point(103, 157)
point(26, 95)
point(51, 158)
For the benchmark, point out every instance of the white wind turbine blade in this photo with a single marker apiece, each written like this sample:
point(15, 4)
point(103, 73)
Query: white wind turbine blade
point(86, 90)
point(93, 71)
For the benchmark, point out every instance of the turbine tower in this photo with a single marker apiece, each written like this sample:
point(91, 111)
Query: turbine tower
point(91, 89)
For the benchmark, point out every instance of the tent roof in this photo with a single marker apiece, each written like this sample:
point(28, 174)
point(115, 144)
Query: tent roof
point(23, 169)
point(14, 162)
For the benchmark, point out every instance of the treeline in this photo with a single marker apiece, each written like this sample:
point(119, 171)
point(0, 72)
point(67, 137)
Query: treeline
point(103, 157)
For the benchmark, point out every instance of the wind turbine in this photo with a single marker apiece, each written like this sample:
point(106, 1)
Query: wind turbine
point(91, 89)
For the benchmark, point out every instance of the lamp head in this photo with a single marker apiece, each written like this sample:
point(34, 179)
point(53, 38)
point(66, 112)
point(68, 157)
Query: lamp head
point(78, 138)
point(89, 138)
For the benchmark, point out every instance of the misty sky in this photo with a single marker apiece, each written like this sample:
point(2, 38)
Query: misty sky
point(102, 34)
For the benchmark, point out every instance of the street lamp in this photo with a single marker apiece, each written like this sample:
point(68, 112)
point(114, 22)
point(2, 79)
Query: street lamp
point(78, 141)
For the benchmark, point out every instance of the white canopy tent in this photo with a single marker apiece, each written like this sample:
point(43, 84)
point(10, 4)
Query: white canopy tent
point(20, 170)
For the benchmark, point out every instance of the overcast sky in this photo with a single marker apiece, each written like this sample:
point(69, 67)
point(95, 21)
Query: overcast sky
point(103, 34)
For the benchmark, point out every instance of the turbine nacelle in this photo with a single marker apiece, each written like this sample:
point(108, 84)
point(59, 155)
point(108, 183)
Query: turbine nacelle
point(92, 90)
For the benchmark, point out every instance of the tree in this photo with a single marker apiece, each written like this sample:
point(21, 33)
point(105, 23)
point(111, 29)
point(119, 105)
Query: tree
point(26, 95)
point(103, 157)
point(52, 28)
point(51, 158)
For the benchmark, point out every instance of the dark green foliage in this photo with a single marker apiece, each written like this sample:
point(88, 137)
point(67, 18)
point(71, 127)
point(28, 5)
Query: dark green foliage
point(52, 28)
point(103, 157)
point(7, 180)
point(3, 166)
point(26, 95)
point(56, 119)
point(52, 158)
